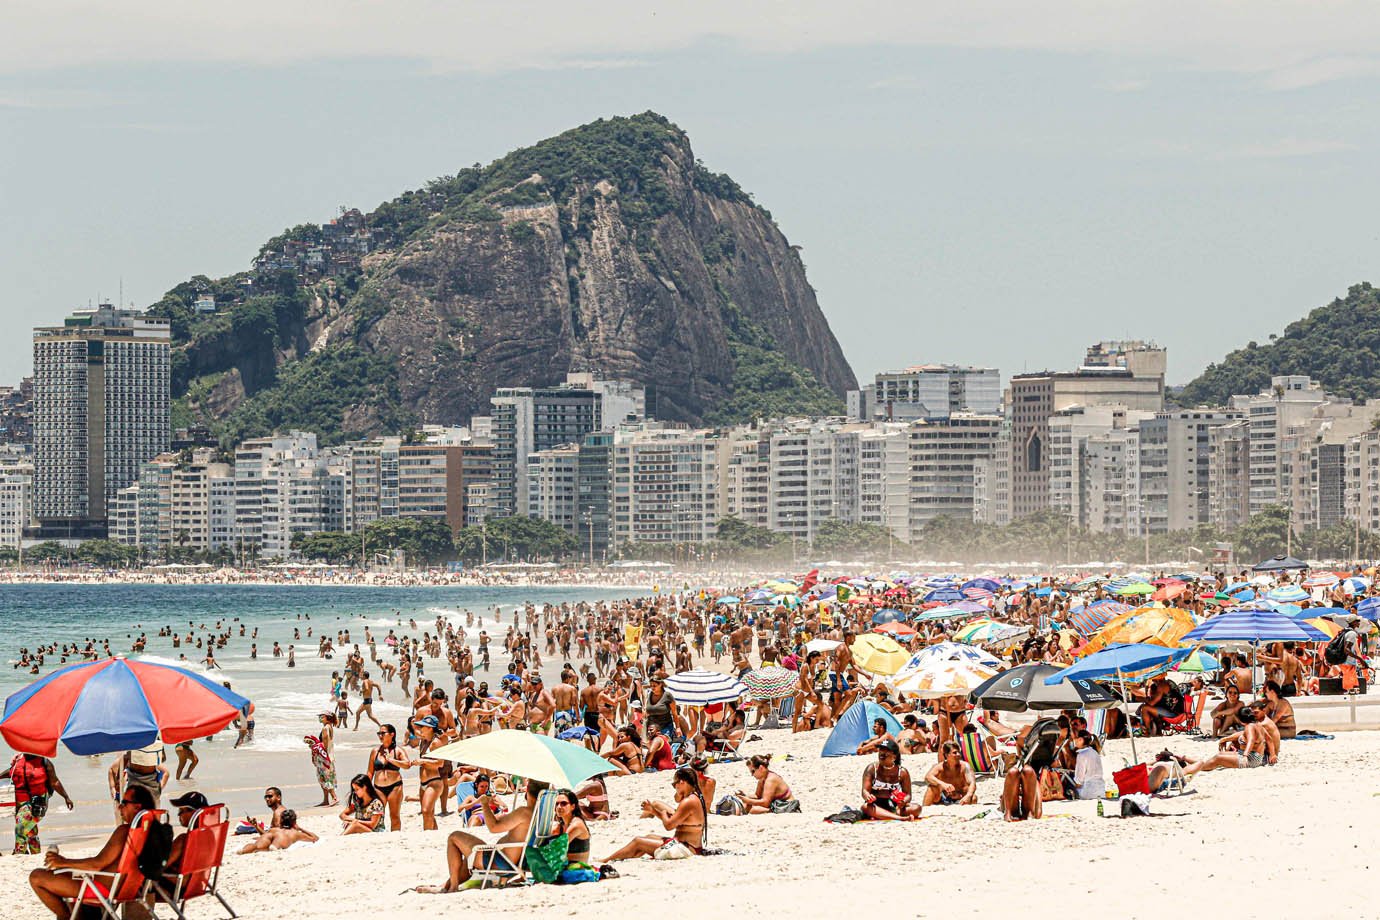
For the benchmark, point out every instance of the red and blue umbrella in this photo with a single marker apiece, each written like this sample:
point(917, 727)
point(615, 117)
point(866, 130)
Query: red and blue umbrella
point(97, 707)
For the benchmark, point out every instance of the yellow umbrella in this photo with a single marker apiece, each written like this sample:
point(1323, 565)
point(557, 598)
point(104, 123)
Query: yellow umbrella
point(943, 678)
point(1325, 625)
point(878, 654)
point(1152, 625)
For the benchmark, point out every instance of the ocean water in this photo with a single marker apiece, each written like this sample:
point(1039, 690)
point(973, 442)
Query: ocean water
point(287, 700)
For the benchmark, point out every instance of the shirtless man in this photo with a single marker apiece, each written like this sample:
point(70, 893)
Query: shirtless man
point(280, 838)
point(609, 702)
point(951, 781)
point(589, 708)
point(460, 844)
point(566, 697)
point(541, 705)
point(1257, 745)
point(368, 687)
point(807, 700)
point(843, 687)
point(1284, 667)
point(879, 734)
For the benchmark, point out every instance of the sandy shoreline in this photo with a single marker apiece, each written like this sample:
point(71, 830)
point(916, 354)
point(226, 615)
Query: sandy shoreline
point(1256, 843)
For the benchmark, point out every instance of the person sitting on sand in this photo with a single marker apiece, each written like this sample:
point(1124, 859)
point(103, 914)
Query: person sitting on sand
point(886, 786)
point(1280, 710)
point(279, 838)
point(726, 738)
point(915, 737)
point(593, 795)
point(951, 781)
point(771, 788)
point(1088, 778)
point(460, 845)
point(1226, 715)
point(55, 889)
point(687, 821)
point(1020, 795)
point(363, 812)
point(879, 734)
point(626, 755)
point(1256, 745)
point(1163, 701)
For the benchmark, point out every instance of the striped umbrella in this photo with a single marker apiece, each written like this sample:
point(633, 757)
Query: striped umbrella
point(1288, 594)
point(982, 631)
point(1088, 620)
point(1200, 662)
point(1355, 585)
point(1163, 626)
point(770, 682)
point(1321, 580)
point(1132, 588)
point(702, 687)
point(1324, 625)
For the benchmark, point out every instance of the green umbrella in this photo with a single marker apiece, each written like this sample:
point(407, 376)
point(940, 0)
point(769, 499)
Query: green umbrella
point(560, 763)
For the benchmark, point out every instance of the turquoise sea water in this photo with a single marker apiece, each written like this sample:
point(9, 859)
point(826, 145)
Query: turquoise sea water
point(286, 700)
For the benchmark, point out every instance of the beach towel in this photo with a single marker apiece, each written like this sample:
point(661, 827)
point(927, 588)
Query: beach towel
point(1309, 735)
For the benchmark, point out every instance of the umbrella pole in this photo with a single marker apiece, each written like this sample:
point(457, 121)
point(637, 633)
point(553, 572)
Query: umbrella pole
point(1126, 710)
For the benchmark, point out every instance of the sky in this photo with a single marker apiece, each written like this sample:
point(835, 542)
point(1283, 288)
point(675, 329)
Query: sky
point(995, 183)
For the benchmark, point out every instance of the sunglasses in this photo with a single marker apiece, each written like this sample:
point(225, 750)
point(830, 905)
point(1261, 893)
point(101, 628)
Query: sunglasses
point(128, 802)
point(565, 804)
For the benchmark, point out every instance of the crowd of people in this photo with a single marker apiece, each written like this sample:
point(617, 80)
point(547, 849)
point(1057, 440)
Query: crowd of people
point(613, 695)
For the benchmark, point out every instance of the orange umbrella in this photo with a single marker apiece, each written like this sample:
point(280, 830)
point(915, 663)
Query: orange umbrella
point(1169, 592)
point(897, 630)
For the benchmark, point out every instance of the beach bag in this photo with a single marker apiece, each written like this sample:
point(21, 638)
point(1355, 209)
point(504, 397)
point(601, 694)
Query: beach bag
point(847, 816)
point(577, 874)
point(153, 858)
point(38, 807)
point(672, 849)
point(546, 860)
point(730, 805)
point(1133, 779)
point(1335, 651)
point(785, 807)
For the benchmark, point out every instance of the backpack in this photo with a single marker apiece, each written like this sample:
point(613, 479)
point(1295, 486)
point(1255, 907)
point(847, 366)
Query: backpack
point(153, 858)
point(1336, 650)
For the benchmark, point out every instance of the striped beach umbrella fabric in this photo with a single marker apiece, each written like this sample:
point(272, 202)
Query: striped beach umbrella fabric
point(701, 687)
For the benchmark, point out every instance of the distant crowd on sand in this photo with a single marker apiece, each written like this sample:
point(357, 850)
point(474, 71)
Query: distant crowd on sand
point(625, 662)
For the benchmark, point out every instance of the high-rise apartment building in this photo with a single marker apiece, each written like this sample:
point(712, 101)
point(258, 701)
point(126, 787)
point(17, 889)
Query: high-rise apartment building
point(942, 455)
point(928, 391)
point(664, 486)
point(100, 411)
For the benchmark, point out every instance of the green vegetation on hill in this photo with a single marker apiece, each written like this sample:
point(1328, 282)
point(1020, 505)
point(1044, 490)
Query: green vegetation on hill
point(1337, 345)
point(767, 384)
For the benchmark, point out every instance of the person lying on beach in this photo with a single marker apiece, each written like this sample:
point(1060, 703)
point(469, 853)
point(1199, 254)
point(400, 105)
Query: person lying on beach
point(55, 889)
point(277, 838)
point(1256, 745)
point(687, 822)
point(886, 786)
point(1226, 714)
point(951, 781)
point(460, 845)
point(771, 788)
point(879, 734)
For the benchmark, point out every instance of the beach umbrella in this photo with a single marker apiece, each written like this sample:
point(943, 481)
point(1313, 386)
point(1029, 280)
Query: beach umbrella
point(896, 630)
point(1355, 585)
point(1132, 662)
point(1288, 594)
point(1253, 625)
point(1024, 688)
point(1279, 564)
point(821, 645)
point(942, 613)
point(1133, 589)
point(951, 651)
point(729, 599)
point(1321, 580)
point(1169, 591)
point(946, 595)
point(1199, 662)
point(982, 631)
point(985, 584)
point(770, 682)
point(1324, 625)
point(878, 654)
point(1369, 608)
point(887, 616)
point(1154, 625)
point(943, 678)
point(702, 687)
point(540, 757)
point(99, 707)
point(1088, 620)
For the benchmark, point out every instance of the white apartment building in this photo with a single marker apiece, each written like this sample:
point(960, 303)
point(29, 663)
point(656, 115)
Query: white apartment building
point(883, 478)
point(745, 472)
point(1175, 466)
point(553, 486)
point(1289, 402)
point(664, 486)
point(927, 391)
point(285, 486)
point(801, 478)
point(1112, 502)
point(942, 455)
point(16, 504)
point(1069, 430)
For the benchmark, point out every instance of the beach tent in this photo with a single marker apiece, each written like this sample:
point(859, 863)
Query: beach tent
point(855, 726)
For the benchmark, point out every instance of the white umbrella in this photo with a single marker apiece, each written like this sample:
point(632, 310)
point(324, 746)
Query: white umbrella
point(821, 645)
point(951, 651)
point(702, 687)
point(943, 678)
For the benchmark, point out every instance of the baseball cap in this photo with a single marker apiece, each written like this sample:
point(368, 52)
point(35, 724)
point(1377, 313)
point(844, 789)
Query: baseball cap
point(428, 721)
point(192, 799)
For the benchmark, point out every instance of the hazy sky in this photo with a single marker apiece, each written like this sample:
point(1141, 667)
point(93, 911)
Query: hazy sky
point(995, 183)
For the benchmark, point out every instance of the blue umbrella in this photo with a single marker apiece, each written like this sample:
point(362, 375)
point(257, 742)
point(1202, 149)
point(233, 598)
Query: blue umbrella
point(984, 583)
point(1369, 608)
point(888, 616)
point(729, 599)
point(944, 595)
point(1134, 661)
point(1308, 613)
point(1254, 625)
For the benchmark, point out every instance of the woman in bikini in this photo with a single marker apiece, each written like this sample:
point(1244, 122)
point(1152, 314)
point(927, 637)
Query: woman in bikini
point(472, 809)
point(686, 821)
point(627, 751)
point(569, 822)
point(386, 763)
point(886, 786)
point(771, 788)
point(433, 772)
point(593, 796)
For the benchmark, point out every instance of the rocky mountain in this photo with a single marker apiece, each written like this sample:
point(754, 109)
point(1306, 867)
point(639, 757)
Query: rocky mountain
point(608, 248)
point(1337, 344)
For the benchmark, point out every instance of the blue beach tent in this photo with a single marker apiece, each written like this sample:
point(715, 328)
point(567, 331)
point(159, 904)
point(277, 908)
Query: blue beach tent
point(854, 727)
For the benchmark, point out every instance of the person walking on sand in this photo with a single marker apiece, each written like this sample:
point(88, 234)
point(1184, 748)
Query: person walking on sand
point(367, 688)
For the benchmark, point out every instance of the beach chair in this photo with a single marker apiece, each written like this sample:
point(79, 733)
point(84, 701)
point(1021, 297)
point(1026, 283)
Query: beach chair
point(495, 867)
point(1097, 724)
point(974, 747)
point(1187, 723)
point(202, 855)
point(125, 884)
point(1040, 745)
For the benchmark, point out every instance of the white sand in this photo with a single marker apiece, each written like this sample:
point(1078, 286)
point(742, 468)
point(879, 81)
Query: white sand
point(1293, 840)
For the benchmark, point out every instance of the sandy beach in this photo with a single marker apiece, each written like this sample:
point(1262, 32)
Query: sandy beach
point(1288, 840)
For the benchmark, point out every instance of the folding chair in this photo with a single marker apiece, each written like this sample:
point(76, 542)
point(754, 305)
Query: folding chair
point(975, 752)
point(1187, 722)
point(495, 867)
point(109, 890)
point(202, 855)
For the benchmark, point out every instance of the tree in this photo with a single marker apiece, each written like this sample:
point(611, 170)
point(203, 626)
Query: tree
point(47, 551)
point(735, 533)
point(1266, 534)
point(518, 536)
point(105, 553)
point(424, 541)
